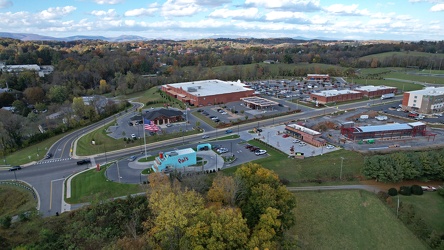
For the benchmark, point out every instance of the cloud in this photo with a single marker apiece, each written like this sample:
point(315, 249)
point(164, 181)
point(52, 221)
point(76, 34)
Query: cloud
point(425, 1)
point(152, 8)
point(250, 13)
point(109, 1)
point(351, 10)
point(57, 12)
point(5, 4)
point(438, 7)
point(181, 8)
point(288, 5)
point(212, 3)
point(287, 16)
point(107, 15)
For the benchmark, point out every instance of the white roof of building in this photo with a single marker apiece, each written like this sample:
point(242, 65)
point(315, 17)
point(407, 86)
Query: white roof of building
point(336, 92)
point(374, 88)
point(317, 75)
point(304, 129)
point(428, 91)
point(210, 87)
point(180, 151)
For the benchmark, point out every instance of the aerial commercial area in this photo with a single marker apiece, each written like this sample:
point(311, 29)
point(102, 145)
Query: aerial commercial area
point(221, 144)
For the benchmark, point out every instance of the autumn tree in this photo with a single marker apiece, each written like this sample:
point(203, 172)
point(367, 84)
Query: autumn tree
point(78, 106)
point(34, 95)
point(261, 189)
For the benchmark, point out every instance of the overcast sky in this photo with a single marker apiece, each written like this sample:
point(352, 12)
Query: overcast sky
point(192, 19)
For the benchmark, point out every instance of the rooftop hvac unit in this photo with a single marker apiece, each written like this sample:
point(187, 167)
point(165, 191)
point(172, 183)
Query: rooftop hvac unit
point(191, 89)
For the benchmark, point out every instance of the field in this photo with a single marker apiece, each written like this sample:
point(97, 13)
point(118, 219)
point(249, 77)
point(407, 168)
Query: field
point(92, 186)
point(349, 220)
point(320, 170)
point(381, 56)
point(152, 95)
point(430, 206)
point(18, 200)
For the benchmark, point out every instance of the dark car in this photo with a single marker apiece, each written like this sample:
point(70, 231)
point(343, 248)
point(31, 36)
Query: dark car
point(84, 161)
point(229, 131)
point(48, 155)
point(15, 168)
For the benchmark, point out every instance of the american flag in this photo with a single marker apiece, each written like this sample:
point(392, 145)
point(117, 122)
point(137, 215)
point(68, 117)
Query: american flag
point(149, 125)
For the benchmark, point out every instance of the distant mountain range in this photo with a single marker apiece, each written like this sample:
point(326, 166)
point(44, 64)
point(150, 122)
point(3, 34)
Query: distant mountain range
point(123, 38)
point(36, 37)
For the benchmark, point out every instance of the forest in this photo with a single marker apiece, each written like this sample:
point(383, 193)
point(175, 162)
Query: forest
point(89, 67)
point(249, 210)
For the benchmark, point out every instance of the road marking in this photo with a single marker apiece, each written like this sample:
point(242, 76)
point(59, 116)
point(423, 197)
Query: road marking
point(50, 192)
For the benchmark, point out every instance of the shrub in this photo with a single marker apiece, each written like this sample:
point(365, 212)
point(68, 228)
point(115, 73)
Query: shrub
point(284, 181)
point(417, 190)
point(5, 222)
point(441, 191)
point(405, 190)
point(393, 192)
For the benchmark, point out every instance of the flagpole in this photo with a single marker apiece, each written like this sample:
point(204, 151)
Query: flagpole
point(144, 137)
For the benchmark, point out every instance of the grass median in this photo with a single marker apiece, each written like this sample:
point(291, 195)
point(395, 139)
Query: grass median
point(32, 153)
point(93, 186)
point(105, 143)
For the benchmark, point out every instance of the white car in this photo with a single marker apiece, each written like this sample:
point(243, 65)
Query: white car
point(261, 152)
point(302, 144)
point(205, 136)
point(133, 136)
point(132, 158)
point(428, 188)
point(222, 150)
point(296, 141)
point(330, 147)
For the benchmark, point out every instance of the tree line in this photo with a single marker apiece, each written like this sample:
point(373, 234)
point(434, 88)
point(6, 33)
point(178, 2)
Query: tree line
point(396, 167)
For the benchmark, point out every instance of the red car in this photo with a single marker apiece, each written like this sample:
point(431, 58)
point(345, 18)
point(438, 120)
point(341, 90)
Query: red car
point(285, 135)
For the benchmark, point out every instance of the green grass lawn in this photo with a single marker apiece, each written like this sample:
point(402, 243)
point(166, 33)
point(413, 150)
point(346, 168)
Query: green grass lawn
point(308, 171)
point(104, 142)
point(15, 200)
point(152, 95)
point(401, 55)
point(349, 220)
point(417, 78)
point(93, 186)
point(35, 152)
point(147, 159)
point(430, 206)
point(406, 86)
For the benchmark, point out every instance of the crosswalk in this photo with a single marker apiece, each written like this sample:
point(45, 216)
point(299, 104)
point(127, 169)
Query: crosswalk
point(52, 160)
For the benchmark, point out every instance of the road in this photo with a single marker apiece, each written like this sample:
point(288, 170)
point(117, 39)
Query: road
point(340, 187)
point(47, 177)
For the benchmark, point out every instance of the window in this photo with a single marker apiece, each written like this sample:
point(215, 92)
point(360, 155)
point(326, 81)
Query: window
point(414, 100)
point(416, 96)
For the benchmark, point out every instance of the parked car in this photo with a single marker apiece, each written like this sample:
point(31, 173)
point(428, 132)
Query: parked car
point(254, 149)
point(48, 155)
point(259, 130)
point(302, 144)
point(216, 120)
point(248, 146)
point(296, 141)
point(222, 150)
point(428, 188)
point(330, 147)
point(205, 136)
point(285, 135)
point(169, 125)
point(84, 161)
point(229, 131)
point(15, 168)
point(133, 136)
point(261, 152)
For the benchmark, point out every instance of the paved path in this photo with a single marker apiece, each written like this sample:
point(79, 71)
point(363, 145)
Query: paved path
point(340, 187)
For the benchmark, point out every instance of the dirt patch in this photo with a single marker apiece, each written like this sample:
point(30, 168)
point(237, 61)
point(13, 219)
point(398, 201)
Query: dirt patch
point(386, 186)
point(324, 126)
point(370, 113)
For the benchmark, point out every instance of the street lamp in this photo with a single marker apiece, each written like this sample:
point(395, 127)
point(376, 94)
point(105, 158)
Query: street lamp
point(342, 162)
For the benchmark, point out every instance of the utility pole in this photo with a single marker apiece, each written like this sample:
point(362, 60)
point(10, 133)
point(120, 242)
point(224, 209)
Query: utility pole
point(342, 162)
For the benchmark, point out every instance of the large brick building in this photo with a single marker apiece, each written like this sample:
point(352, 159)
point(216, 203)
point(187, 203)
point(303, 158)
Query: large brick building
point(428, 100)
point(318, 77)
point(331, 96)
point(207, 92)
point(376, 91)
